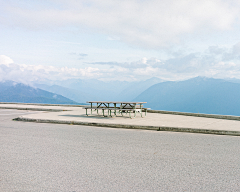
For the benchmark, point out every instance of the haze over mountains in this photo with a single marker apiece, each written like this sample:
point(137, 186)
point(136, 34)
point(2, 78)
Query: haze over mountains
point(86, 90)
point(18, 92)
point(197, 95)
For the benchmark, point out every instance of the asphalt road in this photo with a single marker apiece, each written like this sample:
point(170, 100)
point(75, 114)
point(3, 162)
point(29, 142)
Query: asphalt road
point(50, 157)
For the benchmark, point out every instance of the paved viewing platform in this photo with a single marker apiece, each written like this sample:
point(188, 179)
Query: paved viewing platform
point(155, 120)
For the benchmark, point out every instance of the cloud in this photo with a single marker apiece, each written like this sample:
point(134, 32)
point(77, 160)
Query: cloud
point(82, 54)
point(79, 54)
point(233, 53)
point(37, 73)
point(113, 38)
point(5, 60)
point(215, 61)
point(124, 65)
point(29, 73)
point(143, 63)
point(148, 24)
point(220, 62)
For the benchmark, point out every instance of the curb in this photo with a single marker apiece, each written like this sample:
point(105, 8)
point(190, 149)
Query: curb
point(228, 117)
point(34, 109)
point(43, 104)
point(155, 128)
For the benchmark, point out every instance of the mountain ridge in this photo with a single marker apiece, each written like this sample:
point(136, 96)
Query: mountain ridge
point(17, 92)
point(196, 95)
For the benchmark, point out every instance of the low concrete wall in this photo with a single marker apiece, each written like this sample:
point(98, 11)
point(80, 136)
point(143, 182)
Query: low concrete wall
point(33, 109)
point(42, 104)
point(229, 117)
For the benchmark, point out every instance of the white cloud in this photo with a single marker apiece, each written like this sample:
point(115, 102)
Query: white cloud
point(32, 73)
point(5, 60)
point(29, 73)
point(148, 24)
point(219, 62)
point(143, 63)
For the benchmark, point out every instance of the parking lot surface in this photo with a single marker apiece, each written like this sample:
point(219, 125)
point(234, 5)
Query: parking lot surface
point(55, 157)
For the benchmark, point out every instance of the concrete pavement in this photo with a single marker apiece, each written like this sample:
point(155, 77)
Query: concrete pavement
point(153, 121)
point(67, 158)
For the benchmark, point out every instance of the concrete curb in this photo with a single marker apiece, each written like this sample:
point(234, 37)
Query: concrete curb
point(42, 104)
point(155, 128)
point(228, 117)
point(34, 109)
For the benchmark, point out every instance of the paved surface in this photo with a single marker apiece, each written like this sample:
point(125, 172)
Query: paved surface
point(77, 114)
point(53, 157)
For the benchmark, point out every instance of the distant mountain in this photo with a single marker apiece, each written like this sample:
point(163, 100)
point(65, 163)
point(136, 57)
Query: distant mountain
point(86, 90)
point(75, 95)
point(93, 84)
point(197, 95)
point(17, 92)
point(233, 80)
point(137, 88)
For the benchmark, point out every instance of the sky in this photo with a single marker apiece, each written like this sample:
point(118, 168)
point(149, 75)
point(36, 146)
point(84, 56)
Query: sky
point(126, 40)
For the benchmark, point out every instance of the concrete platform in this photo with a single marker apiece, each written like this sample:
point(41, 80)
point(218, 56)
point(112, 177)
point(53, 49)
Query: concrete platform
point(65, 114)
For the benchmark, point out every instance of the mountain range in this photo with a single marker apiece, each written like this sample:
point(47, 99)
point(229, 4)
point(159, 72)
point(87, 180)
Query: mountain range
point(197, 95)
point(17, 92)
point(95, 90)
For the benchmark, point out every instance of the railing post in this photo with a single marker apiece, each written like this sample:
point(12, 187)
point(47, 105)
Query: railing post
point(91, 108)
point(97, 108)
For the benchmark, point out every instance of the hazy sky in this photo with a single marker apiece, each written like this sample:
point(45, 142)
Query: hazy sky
point(119, 39)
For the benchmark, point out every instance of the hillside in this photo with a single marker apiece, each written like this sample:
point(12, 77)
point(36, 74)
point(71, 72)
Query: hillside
point(17, 92)
point(197, 95)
